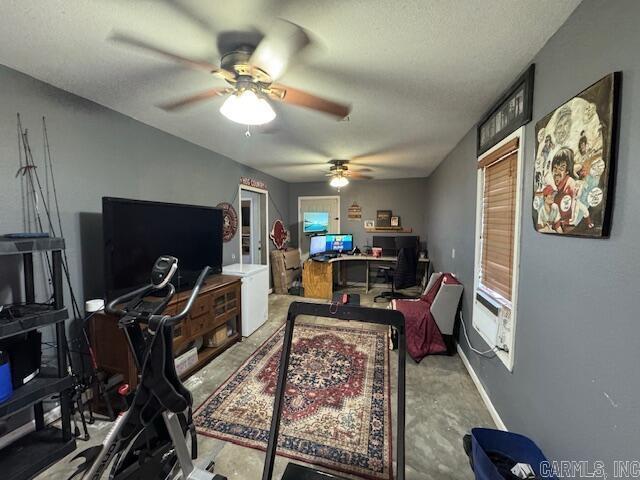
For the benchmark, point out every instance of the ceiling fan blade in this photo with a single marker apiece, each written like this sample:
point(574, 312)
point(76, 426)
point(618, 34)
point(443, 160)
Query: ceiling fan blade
point(198, 97)
point(189, 62)
point(304, 99)
point(359, 176)
point(281, 44)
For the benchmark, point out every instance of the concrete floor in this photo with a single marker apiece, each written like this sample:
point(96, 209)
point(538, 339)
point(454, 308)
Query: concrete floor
point(442, 405)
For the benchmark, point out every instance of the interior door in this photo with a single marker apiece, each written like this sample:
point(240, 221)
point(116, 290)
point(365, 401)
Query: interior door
point(329, 204)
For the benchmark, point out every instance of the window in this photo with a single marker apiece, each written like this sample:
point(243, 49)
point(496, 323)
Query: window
point(499, 219)
point(497, 245)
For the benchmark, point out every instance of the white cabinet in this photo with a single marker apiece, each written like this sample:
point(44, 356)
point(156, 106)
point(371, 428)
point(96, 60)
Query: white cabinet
point(255, 294)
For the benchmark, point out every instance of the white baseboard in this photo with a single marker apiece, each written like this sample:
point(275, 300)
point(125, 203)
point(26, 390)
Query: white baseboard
point(483, 393)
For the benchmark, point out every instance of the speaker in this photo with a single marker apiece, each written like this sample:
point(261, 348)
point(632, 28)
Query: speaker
point(25, 355)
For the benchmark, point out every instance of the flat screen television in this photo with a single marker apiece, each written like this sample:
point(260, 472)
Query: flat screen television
point(315, 222)
point(137, 232)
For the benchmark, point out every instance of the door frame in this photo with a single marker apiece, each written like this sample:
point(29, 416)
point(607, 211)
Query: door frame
point(265, 243)
point(250, 201)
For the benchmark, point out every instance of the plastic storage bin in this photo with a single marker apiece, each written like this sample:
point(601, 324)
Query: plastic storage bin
point(517, 447)
point(6, 388)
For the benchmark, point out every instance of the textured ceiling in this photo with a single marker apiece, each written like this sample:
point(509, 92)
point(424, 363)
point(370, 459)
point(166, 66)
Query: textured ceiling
point(418, 73)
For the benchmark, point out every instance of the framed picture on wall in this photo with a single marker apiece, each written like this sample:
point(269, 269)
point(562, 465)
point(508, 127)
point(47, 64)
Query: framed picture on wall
point(574, 166)
point(369, 224)
point(395, 221)
point(383, 218)
point(513, 110)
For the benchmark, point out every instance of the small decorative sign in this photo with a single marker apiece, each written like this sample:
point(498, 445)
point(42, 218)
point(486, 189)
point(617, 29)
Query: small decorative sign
point(354, 212)
point(369, 224)
point(395, 221)
point(252, 182)
point(279, 235)
point(229, 221)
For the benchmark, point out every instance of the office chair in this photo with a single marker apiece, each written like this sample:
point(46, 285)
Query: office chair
point(402, 275)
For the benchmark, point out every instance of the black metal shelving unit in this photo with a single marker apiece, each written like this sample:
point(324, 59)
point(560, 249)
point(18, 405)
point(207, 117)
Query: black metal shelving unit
point(31, 454)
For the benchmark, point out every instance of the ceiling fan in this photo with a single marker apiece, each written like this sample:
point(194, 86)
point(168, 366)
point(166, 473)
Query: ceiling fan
point(250, 67)
point(340, 173)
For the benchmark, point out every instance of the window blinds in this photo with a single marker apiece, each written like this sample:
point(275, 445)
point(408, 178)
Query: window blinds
point(498, 219)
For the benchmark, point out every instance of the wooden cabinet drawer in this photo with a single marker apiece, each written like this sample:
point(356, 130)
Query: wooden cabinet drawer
point(201, 306)
point(197, 326)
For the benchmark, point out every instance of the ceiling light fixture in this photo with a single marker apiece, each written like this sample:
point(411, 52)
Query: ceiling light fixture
point(247, 108)
point(339, 182)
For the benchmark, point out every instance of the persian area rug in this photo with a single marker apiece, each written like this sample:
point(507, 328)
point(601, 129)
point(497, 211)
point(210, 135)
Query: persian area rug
point(336, 411)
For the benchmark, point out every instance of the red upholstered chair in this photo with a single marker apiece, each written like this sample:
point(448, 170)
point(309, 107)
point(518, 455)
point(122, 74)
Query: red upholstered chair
point(430, 320)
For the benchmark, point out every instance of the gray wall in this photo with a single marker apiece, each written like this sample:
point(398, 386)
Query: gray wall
point(575, 384)
point(98, 152)
point(403, 196)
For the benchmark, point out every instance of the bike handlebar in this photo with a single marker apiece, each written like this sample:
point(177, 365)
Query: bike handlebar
point(140, 292)
point(194, 293)
point(112, 309)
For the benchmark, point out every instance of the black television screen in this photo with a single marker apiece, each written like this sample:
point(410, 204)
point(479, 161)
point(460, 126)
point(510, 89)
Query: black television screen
point(137, 232)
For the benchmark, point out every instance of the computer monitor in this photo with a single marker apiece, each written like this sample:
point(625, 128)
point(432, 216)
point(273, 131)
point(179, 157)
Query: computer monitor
point(339, 242)
point(317, 245)
point(388, 244)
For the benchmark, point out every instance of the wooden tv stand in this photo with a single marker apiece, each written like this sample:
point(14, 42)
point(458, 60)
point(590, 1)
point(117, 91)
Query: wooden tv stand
point(217, 303)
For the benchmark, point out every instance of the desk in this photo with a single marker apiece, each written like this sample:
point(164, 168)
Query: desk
point(318, 276)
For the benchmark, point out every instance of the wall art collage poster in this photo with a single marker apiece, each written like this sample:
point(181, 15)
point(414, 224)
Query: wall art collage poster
point(574, 163)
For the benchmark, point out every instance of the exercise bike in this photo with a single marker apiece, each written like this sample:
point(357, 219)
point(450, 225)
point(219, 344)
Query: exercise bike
point(150, 440)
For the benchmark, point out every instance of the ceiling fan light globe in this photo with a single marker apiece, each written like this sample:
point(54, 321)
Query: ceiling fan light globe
point(247, 108)
point(339, 182)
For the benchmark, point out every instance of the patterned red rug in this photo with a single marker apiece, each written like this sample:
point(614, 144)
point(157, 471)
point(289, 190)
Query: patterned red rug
point(336, 411)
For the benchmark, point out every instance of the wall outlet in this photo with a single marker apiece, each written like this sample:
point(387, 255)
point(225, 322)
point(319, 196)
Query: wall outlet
point(453, 253)
point(233, 256)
